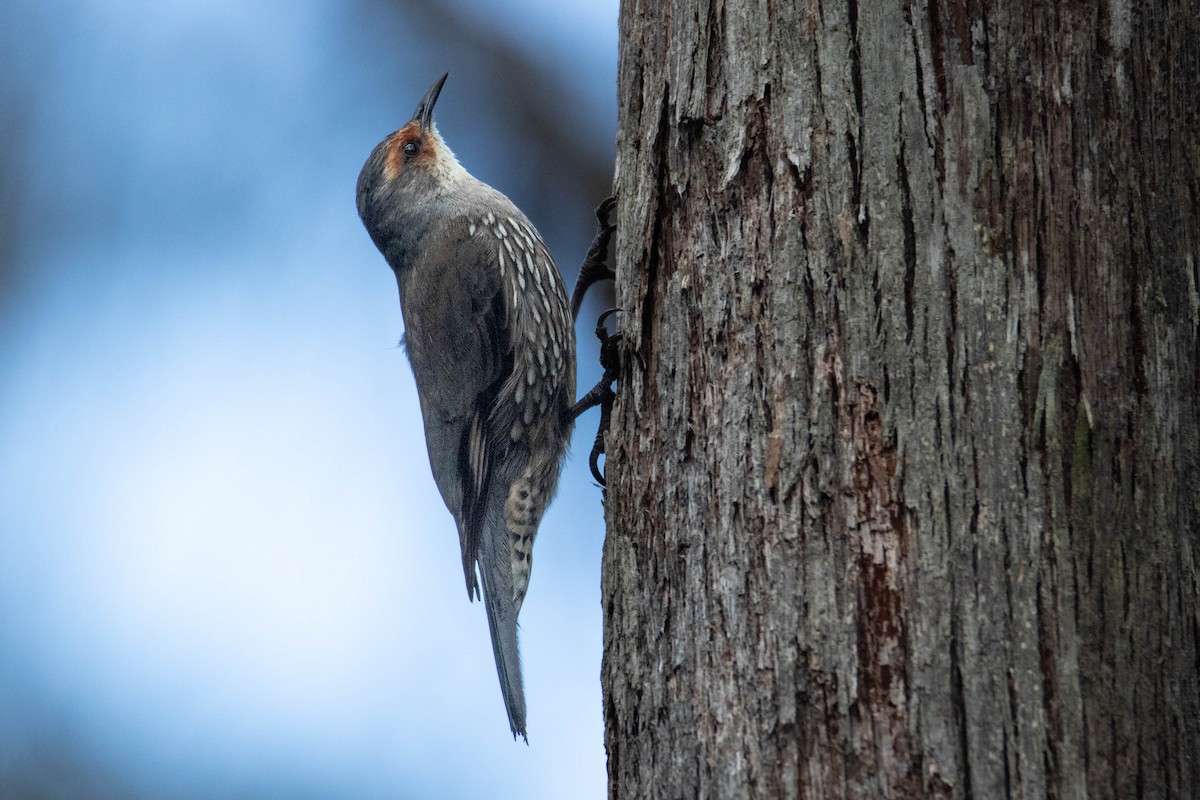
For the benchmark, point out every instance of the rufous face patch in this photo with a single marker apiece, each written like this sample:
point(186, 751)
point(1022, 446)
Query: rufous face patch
point(397, 160)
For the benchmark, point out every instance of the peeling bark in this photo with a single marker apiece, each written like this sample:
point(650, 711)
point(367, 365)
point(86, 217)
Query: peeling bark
point(902, 469)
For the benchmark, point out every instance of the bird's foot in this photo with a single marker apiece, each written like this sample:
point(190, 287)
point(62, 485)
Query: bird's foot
point(595, 264)
point(602, 394)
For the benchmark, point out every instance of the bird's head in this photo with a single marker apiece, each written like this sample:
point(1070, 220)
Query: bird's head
point(408, 170)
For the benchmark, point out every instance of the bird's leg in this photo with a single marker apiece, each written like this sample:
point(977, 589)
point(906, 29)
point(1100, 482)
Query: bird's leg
point(595, 264)
point(602, 394)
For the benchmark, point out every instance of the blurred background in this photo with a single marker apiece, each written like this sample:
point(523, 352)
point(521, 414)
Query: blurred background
point(225, 571)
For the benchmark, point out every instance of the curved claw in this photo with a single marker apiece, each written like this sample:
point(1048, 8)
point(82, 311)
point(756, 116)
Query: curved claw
point(604, 209)
point(594, 464)
point(604, 318)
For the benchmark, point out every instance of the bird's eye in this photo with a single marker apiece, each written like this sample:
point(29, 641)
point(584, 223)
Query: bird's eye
point(411, 149)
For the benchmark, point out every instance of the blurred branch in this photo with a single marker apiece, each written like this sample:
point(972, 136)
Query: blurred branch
point(535, 99)
point(14, 161)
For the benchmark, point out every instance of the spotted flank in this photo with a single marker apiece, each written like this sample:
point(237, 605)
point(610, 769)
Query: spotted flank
point(522, 512)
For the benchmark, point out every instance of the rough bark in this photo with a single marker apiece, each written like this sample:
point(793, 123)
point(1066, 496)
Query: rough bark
point(902, 477)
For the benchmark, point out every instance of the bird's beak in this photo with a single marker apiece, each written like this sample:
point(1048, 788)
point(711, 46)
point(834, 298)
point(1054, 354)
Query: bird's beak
point(423, 116)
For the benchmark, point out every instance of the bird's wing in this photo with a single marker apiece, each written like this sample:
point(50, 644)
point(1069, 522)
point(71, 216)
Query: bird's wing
point(458, 341)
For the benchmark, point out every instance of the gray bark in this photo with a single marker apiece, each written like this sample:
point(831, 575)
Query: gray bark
point(902, 473)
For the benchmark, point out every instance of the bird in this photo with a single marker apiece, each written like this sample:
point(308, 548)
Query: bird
point(489, 335)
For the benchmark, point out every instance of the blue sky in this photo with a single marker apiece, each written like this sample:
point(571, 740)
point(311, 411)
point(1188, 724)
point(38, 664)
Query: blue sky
point(224, 568)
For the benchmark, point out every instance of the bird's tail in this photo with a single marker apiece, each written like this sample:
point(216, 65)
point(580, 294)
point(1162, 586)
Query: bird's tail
point(495, 572)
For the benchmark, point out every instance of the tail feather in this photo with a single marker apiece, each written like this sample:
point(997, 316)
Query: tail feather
point(468, 560)
point(495, 571)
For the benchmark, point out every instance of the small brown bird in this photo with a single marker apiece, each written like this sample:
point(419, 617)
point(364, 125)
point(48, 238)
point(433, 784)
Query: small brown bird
point(489, 334)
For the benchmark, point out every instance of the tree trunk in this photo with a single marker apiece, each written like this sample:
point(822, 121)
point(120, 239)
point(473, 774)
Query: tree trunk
point(902, 479)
